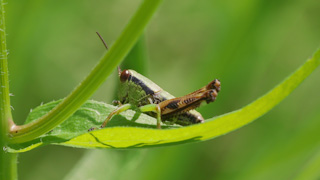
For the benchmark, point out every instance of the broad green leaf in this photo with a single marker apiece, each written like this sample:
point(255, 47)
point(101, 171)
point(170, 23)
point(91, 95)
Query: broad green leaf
point(132, 130)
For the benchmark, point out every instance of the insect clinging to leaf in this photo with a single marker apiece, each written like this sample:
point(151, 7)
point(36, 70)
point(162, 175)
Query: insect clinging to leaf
point(140, 93)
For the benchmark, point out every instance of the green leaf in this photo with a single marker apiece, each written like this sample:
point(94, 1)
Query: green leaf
point(132, 130)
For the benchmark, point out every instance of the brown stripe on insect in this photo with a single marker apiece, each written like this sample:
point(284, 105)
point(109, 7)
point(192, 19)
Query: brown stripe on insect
point(189, 100)
point(183, 104)
point(174, 104)
point(215, 84)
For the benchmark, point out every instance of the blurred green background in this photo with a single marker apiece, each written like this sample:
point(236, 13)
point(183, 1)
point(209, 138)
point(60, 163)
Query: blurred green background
point(250, 45)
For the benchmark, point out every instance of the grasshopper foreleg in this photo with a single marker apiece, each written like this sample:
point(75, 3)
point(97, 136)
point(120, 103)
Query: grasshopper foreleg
point(116, 112)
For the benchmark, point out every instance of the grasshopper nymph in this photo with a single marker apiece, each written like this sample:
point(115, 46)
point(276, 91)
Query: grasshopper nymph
point(140, 93)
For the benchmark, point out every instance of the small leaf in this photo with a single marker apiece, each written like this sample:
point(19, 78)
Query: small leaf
point(133, 130)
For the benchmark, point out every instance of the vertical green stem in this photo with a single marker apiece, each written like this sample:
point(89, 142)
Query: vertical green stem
point(137, 57)
point(8, 166)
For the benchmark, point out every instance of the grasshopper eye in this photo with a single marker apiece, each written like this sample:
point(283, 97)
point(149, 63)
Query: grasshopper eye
point(125, 75)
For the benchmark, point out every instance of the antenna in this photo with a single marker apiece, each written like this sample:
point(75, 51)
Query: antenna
point(104, 43)
point(119, 71)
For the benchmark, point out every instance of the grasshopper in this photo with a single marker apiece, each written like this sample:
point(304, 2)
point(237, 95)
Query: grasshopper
point(141, 94)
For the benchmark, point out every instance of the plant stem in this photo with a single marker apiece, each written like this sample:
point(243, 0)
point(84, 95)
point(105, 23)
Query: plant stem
point(8, 166)
point(137, 57)
point(97, 76)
